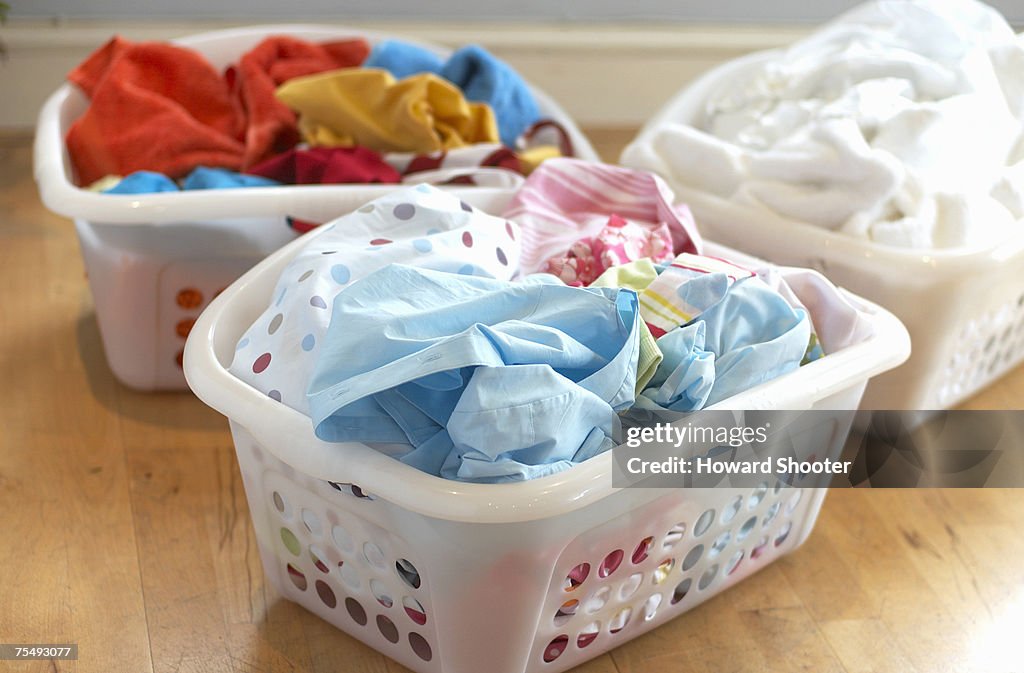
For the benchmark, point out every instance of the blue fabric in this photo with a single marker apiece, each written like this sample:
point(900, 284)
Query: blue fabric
point(480, 75)
point(148, 182)
point(143, 182)
point(402, 59)
point(221, 178)
point(486, 380)
point(747, 334)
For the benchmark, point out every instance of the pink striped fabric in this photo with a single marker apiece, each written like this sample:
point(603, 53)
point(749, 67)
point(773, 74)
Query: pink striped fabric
point(566, 200)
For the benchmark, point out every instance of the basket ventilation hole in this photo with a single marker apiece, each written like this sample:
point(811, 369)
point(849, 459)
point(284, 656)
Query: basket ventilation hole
point(620, 620)
point(291, 542)
point(373, 555)
point(770, 515)
point(597, 600)
point(703, 523)
point(317, 556)
point(279, 504)
point(663, 570)
point(312, 523)
point(720, 543)
point(380, 592)
point(576, 577)
point(566, 612)
point(415, 610)
point(297, 578)
point(555, 648)
point(630, 586)
point(784, 533)
point(759, 548)
point(407, 571)
point(355, 611)
point(758, 495)
point(692, 557)
point(326, 594)
point(746, 529)
point(588, 634)
point(420, 646)
point(387, 629)
point(642, 550)
point(681, 590)
point(730, 512)
point(674, 535)
point(651, 607)
point(793, 502)
point(610, 563)
point(734, 562)
point(351, 489)
point(708, 577)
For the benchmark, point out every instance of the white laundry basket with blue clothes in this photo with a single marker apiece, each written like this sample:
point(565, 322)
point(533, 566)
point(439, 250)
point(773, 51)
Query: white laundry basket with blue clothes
point(758, 187)
point(537, 575)
point(155, 260)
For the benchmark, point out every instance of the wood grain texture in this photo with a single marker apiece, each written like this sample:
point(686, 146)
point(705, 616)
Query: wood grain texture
point(126, 528)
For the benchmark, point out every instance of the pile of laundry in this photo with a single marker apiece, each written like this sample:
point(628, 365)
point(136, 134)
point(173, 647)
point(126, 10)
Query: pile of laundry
point(493, 348)
point(900, 122)
point(162, 118)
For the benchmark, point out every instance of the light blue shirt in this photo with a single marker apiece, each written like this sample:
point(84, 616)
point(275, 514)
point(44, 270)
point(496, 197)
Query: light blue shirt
point(487, 380)
point(747, 334)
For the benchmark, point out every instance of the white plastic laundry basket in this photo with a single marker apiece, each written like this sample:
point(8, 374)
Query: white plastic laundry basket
point(531, 576)
point(154, 260)
point(964, 308)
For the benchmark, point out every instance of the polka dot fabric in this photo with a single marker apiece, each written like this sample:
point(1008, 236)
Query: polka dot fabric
point(420, 226)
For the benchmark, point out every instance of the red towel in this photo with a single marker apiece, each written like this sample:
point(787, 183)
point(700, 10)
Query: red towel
point(271, 125)
point(159, 107)
point(327, 165)
point(154, 107)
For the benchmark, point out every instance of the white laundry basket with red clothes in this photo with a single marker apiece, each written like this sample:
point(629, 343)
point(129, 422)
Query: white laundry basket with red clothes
point(445, 576)
point(155, 260)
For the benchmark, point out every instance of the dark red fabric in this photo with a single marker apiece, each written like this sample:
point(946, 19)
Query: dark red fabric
point(160, 107)
point(327, 165)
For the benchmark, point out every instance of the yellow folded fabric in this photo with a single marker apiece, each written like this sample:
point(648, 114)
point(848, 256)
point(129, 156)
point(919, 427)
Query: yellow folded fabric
point(368, 107)
point(531, 158)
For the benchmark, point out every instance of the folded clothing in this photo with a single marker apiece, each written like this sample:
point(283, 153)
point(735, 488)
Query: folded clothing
point(486, 380)
point(570, 212)
point(420, 226)
point(163, 108)
point(368, 107)
point(901, 121)
point(147, 182)
point(480, 75)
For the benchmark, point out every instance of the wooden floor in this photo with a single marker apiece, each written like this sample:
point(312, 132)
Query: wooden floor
point(125, 528)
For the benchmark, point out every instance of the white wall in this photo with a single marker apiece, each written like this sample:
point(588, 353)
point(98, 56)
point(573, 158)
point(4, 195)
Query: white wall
point(748, 11)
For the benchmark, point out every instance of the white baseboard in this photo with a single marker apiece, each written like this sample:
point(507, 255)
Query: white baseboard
point(603, 75)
